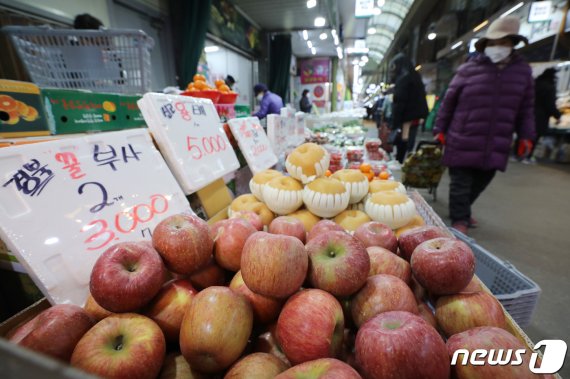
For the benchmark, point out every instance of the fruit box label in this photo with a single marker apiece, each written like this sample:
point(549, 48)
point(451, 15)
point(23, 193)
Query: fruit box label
point(64, 202)
point(21, 110)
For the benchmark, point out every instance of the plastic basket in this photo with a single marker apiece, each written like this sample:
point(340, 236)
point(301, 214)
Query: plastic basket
point(111, 60)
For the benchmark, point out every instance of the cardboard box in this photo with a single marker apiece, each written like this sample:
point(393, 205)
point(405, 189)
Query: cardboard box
point(21, 111)
point(128, 112)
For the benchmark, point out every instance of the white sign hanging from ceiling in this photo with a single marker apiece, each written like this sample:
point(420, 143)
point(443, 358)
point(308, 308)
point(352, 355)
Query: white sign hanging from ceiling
point(540, 11)
point(364, 8)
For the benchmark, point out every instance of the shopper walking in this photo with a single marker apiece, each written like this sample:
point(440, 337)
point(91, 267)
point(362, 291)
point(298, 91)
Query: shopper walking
point(490, 98)
point(305, 103)
point(269, 102)
point(409, 105)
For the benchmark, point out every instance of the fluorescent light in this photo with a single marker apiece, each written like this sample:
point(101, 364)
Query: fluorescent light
point(364, 58)
point(376, 11)
point(313, 50)
point(323, 36)
point(432, 36)
point(339, 52)
point(333, 33)
point(371, 30)
point(355, 50)
point(456, 45)
point(418, 67)
point(355, 61)
point(311, 3)
point(381, 3)
point(320, 22)
point(336, 41)
point(480, 26)
point(512, 9)
point(310, 44)
point(211, 49)
point(305, 35)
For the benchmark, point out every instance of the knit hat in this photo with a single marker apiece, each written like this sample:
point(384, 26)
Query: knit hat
point(500, 28)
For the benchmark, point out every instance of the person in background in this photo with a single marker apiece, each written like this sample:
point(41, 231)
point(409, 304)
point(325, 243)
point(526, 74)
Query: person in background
point(489, 98)
point(305, 103)
point(230, 81)
point(86, 21)
point(409, 105)
point(545, 106)
point(269, 102)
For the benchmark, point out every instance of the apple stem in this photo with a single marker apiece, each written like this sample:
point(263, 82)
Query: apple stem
point(118, 345)
point(332, 254)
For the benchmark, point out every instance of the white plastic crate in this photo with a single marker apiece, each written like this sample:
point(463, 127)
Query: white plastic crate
point(106, 60)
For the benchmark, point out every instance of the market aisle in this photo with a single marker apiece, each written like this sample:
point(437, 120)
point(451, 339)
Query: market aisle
point(524, 217)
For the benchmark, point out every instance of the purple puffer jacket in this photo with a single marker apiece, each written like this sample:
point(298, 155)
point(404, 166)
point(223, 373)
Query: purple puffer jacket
point(482, 108)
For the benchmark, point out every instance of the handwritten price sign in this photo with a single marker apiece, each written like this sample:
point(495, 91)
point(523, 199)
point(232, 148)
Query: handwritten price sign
point(189, 132)
point(62, 203)
point(253, 143)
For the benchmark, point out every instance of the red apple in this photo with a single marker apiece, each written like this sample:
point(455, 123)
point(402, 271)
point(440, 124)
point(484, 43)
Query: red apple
point(253, 218)
point(383, 261)
point(168, 307)
point(229, 238)
point(209, 275)
point(464, 311)
point(419, 291)
point(426, 313)
point(289, 226)
point(121, 346)
point(377, 234)
point(382, 293)
point(176, 367)
point(54, 332)
point(443, 266)
point(184, 243)
point(267, 343)
point(257, 366)
point(410, 239)
point(324, 226)
point(215, 329)
point(127, 276)
point(339, 263)
point(311, 326)
point(324, 368)
point(473, 286)
point(401, 345)
point(274, 265)
point(94, 310)
point(265, 309)
point(496, 342)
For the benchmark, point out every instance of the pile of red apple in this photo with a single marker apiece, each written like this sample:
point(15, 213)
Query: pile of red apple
point(232, 301)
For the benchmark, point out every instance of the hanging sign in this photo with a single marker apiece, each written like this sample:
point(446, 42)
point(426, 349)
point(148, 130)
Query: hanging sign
point(253, 143)
point(63, 202)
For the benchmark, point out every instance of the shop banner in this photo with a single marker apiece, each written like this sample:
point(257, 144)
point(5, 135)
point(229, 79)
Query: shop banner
point(64, 202)
point(190, 134)
point(315, 70)
point(253, 143)
point(227, 23)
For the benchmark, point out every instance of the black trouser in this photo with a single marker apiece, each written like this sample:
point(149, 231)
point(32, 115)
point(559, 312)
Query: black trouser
point(465, 187)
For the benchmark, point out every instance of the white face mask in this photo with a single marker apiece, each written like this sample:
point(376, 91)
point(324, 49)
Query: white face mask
point(498, 53)
point(259, 97)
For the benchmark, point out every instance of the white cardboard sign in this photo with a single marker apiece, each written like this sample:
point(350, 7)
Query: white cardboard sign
point(276, 133)
point(253, 143)
point(299, 128)
point(64, 202)
point(190, 134)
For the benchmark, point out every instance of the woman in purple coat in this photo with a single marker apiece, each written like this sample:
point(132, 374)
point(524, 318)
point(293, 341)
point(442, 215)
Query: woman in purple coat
point(490, 98)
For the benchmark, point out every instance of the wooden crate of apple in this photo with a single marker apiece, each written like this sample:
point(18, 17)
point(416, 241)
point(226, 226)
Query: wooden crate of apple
point(231, 301)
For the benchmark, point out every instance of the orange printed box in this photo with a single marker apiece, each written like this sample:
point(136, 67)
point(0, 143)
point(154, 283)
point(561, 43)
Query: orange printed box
point(21, 110)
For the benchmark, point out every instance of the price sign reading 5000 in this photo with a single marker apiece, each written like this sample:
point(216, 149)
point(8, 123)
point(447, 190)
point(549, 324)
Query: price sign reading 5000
point(200, 147)
point(124, 222)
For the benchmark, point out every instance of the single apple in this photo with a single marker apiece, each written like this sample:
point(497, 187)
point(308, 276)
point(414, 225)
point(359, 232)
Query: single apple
point(168, 307)
point(401, 345)
point(127, 276)
point(464, 311)
point(121, 346)
point(265, 309)
point(266, 342)
point(377, 234)
point(176, 367)
point(410, 239)
point(383, 261)
point(274, 265)
point(94, 310)
point(257, 366)
point(311, 326)
point(498, 344)
point(474, 285)
point(209, 275)
point(184, 243)
point(324, 368)
point(426, 313)
point(229, 238)
point(324, 226)
point(382, 293)
point(250, 216)
point(289, 226)
point(339, 263)
point(215, 329)
point(54, 332)
point(443, 266)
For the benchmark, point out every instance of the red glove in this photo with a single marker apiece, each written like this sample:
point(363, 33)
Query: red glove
point(524, 148)
point(440, 137)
